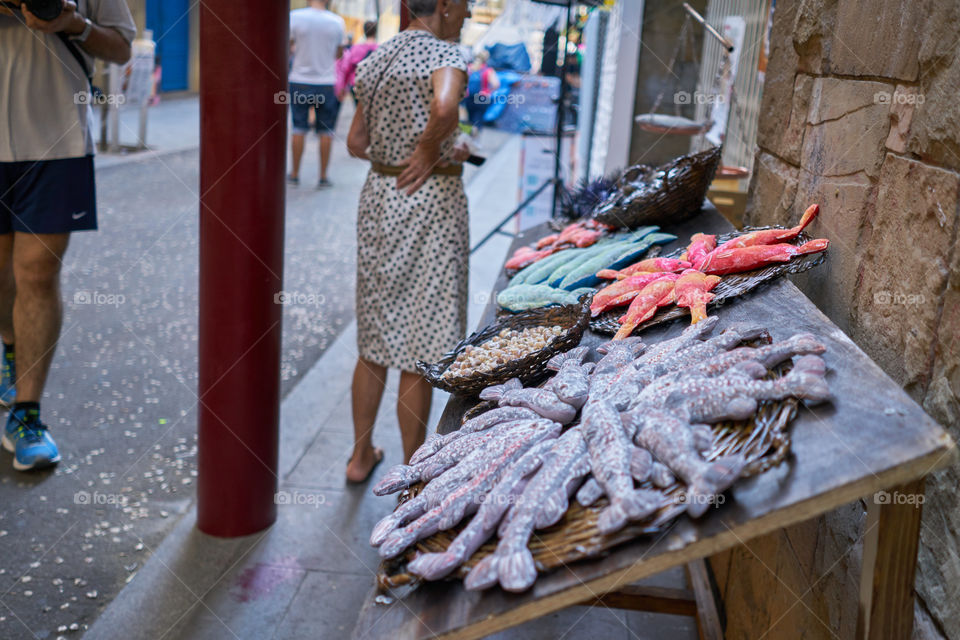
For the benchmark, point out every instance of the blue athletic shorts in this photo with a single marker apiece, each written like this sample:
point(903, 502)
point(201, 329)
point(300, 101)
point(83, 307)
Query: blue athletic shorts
point(320, 98)
point(48, 196)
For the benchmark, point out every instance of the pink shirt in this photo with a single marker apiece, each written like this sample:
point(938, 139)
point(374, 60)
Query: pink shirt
point(347, 65)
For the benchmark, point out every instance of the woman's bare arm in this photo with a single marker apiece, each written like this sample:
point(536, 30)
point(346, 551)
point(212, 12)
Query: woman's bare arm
point(358, 139)
point(448, 84)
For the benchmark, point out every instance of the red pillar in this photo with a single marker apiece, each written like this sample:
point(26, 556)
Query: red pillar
point(404, 15)
point(244, 46)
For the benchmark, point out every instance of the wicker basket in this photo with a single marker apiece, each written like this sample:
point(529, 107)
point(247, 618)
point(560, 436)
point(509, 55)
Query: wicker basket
point(530, 369)
point(668, 194)
point(763, 440)
point(730, 286)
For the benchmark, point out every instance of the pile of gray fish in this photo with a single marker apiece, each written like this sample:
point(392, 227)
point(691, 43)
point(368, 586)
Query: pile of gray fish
point(643, 416)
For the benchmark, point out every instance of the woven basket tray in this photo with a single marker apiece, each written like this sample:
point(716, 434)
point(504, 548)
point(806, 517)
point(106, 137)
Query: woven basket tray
point(667, 194)
point(763, 440)
point(530, 369)
point(729, 287)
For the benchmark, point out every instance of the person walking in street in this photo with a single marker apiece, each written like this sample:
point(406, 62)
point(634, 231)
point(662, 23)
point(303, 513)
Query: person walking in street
point(47, 191)
point(412, 227)
point(317, 36)
point(347, 64)
point(481, 84)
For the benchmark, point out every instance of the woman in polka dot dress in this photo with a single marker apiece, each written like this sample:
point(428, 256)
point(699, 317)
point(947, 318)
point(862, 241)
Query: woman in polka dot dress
point(412, 227)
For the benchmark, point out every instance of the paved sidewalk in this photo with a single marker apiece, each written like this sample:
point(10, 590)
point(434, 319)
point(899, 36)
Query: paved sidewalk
point(307, 576)
point(172, 126)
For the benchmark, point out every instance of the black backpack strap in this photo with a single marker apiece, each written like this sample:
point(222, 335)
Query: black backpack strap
point(78, 56)
point(75, 52)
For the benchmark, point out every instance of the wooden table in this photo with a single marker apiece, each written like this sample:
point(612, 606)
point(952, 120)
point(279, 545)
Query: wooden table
point(871, 438)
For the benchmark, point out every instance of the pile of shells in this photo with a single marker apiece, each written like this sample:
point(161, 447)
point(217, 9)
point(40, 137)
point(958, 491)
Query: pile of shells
point(508, 345)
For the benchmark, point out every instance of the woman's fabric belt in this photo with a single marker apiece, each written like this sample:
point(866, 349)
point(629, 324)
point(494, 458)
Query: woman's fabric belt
point(392, 170)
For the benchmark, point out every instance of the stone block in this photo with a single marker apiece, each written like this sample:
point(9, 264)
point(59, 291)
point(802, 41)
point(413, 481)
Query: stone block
point(933, 131)
point(790, 142)
point(833, 98)
point(938, 563)
point(904, 269)
point(877, 38)
point(812, 32)
point(848, 144)
point(902, 104)
point(773, 189)
point(844, 204)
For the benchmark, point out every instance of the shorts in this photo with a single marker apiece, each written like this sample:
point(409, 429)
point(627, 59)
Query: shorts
point(320, 98)
point(48, 196)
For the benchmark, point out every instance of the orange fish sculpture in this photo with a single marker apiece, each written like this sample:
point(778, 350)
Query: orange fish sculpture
point(772, 236)
point(623, 291)
point(722, 261)
point(526, 256)
point(693, 292)
point(658, 293)
point(662, 265)
point(700, 245)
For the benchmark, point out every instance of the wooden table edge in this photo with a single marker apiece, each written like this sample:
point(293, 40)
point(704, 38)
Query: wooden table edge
point(796, 513)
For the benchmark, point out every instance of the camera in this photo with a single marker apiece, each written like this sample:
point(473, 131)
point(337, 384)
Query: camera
point(43, 9)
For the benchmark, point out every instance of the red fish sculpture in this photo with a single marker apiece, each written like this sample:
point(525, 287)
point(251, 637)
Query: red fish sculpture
point(700, 245)
point(657, 294)
point(772, 236)
point(661, 265)
point(623, 291)
point(723, 261)
point(693, 292)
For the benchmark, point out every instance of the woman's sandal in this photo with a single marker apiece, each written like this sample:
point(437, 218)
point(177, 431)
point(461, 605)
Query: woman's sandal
point(377, 459)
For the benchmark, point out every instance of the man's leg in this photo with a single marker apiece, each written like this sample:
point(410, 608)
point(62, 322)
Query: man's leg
point(37, 309)
point(296, 144)
point(326, 144)
point(413, 411)
point(7, 288)
point(369, 379)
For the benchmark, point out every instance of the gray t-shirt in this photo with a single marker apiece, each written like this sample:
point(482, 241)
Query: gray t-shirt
point(39, 82)
point(316, 36)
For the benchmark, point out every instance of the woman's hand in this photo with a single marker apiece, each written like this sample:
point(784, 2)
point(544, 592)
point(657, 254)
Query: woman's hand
point(461, 152)
point(419, 167)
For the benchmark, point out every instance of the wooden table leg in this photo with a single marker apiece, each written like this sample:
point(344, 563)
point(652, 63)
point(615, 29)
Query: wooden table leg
point(700, 602)
point(709, 623)
point(890, 562)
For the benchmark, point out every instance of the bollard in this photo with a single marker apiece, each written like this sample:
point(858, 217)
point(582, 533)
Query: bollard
point(244, 48)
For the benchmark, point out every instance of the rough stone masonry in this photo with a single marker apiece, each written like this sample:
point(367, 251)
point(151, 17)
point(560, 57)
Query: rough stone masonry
point(861, 113)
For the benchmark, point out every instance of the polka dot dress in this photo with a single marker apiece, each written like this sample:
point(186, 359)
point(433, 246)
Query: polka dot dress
point(412, 251)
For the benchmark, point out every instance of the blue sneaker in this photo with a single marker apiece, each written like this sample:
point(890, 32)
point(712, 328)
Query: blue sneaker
point(30, 442)
point(8, 377)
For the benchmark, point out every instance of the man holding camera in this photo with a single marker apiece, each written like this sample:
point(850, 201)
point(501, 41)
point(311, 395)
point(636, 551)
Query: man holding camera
point(46, 187)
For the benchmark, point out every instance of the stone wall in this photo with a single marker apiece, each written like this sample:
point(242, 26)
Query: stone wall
point(861, 113)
